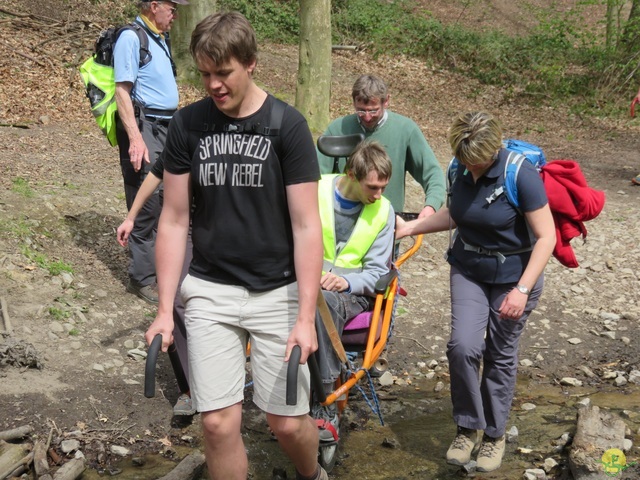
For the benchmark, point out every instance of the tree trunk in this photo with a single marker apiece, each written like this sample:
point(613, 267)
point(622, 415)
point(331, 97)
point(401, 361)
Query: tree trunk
point(609, 31)
point(630, 41)
point(314, 63)
point(188, 17)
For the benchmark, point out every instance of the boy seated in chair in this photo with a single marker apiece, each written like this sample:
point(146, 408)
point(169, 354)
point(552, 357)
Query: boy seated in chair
point(357, 233)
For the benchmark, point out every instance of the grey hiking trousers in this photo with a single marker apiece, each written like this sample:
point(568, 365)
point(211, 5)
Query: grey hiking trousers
point(142, 240)
point(479, 336)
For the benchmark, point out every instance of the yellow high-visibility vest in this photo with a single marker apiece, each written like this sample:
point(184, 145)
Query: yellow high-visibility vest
point(370, 223)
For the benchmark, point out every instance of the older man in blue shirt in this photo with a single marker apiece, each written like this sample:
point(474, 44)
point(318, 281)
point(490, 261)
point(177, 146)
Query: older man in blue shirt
point(147, 97)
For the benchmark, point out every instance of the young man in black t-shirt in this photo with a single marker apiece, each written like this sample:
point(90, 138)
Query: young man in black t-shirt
point(257, 250)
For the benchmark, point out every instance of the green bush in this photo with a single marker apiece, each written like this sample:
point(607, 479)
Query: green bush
point(273, 20)
point(557, 59)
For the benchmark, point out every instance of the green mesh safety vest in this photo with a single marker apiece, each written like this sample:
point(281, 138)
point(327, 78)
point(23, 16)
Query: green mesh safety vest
point(104, 106)
point(371, 221)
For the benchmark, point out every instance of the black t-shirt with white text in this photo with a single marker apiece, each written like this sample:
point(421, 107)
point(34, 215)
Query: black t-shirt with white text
point(241, 227)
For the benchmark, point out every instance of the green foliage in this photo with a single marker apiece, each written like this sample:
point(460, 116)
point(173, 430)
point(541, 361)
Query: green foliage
point(14, 229)
point(55, 267)
point(557, 60)
point(59, 313)
point(273, 20)
point(21, 186)
point(24, 232)
point(366, 21)
point(58, 266)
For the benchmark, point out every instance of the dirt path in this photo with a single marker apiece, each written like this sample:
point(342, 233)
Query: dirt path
point(62, 199)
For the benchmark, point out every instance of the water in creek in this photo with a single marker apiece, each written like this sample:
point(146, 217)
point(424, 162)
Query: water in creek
point(417, 432)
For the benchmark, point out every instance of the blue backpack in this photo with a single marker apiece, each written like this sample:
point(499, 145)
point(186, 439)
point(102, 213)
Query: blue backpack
point(519, 151)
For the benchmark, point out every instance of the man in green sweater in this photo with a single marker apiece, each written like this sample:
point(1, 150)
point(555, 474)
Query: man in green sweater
point(402, 139)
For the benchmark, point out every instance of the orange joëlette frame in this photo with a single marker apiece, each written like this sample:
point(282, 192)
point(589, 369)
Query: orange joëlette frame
point(375, 347)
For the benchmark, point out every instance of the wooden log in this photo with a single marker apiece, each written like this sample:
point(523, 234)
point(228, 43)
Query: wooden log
point(4, 312)
point(16, 433)
point(189, 468)
point(8, 472)
point(40, 462)
point(12, 458)
point(17, 472)
point(71, 470)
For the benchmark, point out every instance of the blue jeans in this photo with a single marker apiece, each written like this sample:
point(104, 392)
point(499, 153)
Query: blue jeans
point(343, 307)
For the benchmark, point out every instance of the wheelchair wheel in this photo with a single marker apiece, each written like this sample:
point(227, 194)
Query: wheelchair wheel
point(328, 455)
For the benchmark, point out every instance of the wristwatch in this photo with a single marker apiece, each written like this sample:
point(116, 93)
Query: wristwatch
point(523, 289)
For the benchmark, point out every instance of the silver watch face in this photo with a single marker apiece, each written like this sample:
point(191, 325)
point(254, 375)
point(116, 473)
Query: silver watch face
point(523, 289)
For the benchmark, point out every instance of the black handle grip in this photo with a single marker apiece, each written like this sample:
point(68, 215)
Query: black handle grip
point(183, 383)
point(316, 379)
point(150, 367)
point(407, 216)
point(292, 375)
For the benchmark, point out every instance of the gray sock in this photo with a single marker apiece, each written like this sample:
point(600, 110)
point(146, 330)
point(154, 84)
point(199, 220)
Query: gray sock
point(315, 476)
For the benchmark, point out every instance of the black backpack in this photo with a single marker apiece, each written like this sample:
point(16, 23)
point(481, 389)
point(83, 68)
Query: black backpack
point(271, 129)
point(107, 40)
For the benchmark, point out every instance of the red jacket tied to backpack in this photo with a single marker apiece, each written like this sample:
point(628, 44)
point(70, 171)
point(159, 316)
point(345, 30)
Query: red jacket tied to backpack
point(572, 202)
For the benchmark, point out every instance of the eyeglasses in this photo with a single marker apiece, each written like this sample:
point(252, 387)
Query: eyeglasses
point(172, 10)
point(363, 113)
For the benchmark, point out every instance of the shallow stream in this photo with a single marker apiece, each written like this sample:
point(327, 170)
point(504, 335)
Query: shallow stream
point(417, 432)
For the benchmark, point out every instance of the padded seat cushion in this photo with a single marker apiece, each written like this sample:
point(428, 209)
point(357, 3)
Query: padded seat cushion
point(356, 330)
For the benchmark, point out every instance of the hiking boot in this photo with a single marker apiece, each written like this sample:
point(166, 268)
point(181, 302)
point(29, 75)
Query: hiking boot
point(184, 406)
point(490, 454)
point(328, 422)
point(636, 180)
point(463, 446)
point(148, 293)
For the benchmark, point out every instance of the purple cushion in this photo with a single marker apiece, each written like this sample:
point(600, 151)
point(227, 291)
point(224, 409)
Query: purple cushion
point(362, 320)
point(356, 331)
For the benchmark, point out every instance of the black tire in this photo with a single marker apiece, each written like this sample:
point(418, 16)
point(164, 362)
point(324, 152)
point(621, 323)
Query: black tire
point(328, 451)
point(328, 455)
